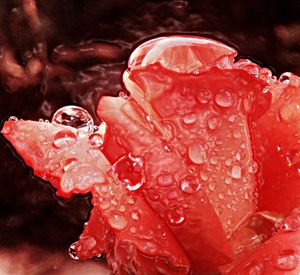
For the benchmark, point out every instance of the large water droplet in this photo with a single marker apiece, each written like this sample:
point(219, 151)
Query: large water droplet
point(291, 223)
point(130, 171)
point(224, 98)
point(118, 222)
point(190, 184)
point(287, 260)
point(64, 138)
point(176, 216)
point(75, 117)
point(214, 122)
point(252, 167)
point(13, 118)
point(165, 180)
point(197, 153)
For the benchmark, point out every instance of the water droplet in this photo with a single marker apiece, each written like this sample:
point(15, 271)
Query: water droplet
point(221, 196)
point(176, 216)
point(122, 208)
point(190, 184)
point(213, 122)
point(224, 98)
point(132, 230)
point(130, 200)
point(254, 268)
point(96, 140)
point(72, 251)
point(197, 153)
point(236, 172)
point(252, 167)
point(212, 186)
point(153, 195)
point(287, 260)
point(165, 180)
point(167, 148)
point(105, 204)
point(236, 134)
point(204, 175)
point(189, 119)
point(204, 96)
point(228, 162)
point(135, 215)
point(13, 118)
point(214, 159)
point(232, 118)
point(130, 171)
point(238, 156)
point(118, 222)
point(228, 180)
point(291, 223)
point(64, 138)
point(75, 117)
point(285, 77)
point(172, 195)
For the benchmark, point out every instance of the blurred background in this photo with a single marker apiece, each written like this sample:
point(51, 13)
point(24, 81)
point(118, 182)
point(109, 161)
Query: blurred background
point(60, 52)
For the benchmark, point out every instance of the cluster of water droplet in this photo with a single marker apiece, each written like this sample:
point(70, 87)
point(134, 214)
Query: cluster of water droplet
point(78, 118)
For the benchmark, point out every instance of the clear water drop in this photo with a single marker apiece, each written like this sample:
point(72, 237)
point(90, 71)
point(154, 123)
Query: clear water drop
point(285, 77)
point(189, 119)
point(190, 184)
point(176, 216)
point(204, 96)
point(287, 260)
point(204, 175)
point(236, 172)
point(75, 117)
point(135, 215)
point(7, 129)
point(118, 222)
point(252, 167)
point(165, 180)
point(64, 139)
point(13, 118)
point(224, 98)
point(96, 140)
point(213, 122)
point(130, 171)
point(214, 159)
point(291, 223)
point(132, 230)
point(197, 153)
point(72, 251)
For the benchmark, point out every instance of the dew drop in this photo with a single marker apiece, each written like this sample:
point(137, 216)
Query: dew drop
point(135, 215)
point(130, 200)
point(285, 77)
point(69, 162)
point(122, 208)
point(213, 122)
point(212, 186)
point(130, 171)
point(197, 153)
point(228, 162)
point(189, 119)
point(252, 167)
point(132, 230)
point(64, 138)
point(118, 222)
point(204, 96)
point(176, 216)
point(165, 180)
point(224, 98)
point(75, 117)
point(190, 184)
point(72, 251)
point(153, 195)
point(287, 260)
point(96, 140)
point(291, 223)
point(236, 172)
point(204, 175)
point(214, 159)
point(13, 118)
